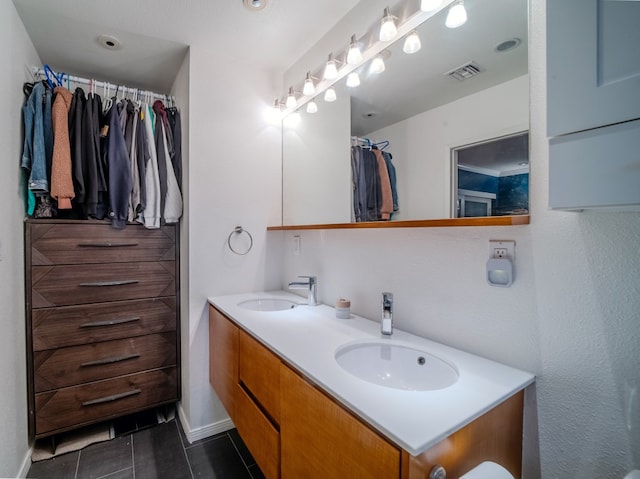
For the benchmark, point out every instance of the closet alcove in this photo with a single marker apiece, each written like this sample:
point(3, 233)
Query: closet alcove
point(103, 303)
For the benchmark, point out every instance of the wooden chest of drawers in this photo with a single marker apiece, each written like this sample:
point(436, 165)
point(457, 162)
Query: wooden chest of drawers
point(102, 322)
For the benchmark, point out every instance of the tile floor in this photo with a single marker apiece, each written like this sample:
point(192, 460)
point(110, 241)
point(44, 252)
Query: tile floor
point(159, 451)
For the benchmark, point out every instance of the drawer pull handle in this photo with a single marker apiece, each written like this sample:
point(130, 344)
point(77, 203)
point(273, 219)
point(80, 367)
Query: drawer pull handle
point(110, 283)
point(110, 322)
point(112, 398)
point(115, 359)
point(106, 245)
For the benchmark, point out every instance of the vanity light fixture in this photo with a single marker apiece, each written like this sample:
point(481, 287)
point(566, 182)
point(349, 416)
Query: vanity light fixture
point(388, 30)
point(353, 80)
point(429, 5)
point(354, 56)
point(309, 88)
point(291, 99)
point(330, 95)
point(312, 107)
point(412, 43)
point(330, 70)
point(377, 65)
point(457, 15)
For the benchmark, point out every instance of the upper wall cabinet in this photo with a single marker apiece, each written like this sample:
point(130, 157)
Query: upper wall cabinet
point(593, 104)
point(593, 65)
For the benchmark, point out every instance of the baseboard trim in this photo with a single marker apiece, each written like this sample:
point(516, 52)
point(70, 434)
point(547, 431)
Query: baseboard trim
point(26, 463)
point(204, 431)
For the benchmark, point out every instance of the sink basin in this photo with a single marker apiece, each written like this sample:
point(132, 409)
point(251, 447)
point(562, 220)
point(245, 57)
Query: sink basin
point(268, 304)
point(395, 366)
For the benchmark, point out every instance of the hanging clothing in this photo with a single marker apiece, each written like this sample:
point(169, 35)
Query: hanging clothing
point(173, 200)
point(93, 174)
point(61, 176)
point(386, 199)
point(173, 116)
point(76, 117)
point(375, 195)
point(119, 170)
point(34, 151)
point(151, 213)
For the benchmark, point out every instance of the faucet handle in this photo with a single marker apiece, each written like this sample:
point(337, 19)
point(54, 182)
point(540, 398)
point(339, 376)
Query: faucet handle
point(312, 279)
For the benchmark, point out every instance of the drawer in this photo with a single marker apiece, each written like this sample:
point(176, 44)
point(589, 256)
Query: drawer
point(77, 406)
point(58, 368)
point(259, 435)
point(79, 284)
point(90, 323)
point(98, 243)
point(259, 371)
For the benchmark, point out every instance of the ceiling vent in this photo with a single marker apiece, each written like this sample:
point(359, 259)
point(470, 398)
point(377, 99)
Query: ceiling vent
point(465, 71)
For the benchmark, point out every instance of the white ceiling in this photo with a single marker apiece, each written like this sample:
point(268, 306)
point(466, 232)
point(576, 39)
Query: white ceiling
point(156, 34)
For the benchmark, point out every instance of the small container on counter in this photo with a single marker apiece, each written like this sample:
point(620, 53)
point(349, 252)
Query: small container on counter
point(343, 308)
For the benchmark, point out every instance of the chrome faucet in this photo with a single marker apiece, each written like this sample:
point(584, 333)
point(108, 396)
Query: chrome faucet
point(387, 314)
point(312, 284)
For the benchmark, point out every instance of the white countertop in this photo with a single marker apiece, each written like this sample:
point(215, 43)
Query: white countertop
point(307, 337)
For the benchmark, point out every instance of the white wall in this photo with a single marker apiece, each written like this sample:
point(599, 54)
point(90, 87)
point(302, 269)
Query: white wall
point(234, 179)
point(572, 316)
point(421, 145)
point(16, 53)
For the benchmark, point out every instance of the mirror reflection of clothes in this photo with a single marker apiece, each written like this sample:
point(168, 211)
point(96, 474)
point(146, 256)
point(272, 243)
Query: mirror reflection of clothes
point(375, 196)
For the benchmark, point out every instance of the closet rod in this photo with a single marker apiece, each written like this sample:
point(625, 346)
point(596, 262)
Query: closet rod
point(103, 84)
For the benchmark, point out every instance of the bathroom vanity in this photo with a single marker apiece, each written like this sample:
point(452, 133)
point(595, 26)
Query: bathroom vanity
point(302, 415)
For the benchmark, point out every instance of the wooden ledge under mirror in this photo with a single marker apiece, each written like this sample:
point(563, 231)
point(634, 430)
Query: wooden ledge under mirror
point(437, 223)
point(451, 139)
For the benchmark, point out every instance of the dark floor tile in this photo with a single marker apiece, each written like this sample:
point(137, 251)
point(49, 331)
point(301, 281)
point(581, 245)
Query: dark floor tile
point(218, 459)
point(125, 474)
point(255, 472)
point(241, 447)
point(105, 458)
point(61, 467)
point(158, 453)
point(183, 435)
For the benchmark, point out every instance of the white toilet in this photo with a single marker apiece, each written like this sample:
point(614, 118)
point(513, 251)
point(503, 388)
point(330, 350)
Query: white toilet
point(487, 470)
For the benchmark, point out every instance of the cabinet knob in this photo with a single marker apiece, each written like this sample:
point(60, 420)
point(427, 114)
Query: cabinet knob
point(438, 472)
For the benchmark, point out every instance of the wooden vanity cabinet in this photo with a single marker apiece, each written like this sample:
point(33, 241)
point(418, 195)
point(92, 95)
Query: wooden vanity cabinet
point(320, 439)
point(495, 436)
point(294, 429)
point(245, 376)
point(223, 359)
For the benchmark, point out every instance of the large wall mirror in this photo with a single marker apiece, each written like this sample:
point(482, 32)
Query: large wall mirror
point(465, 87)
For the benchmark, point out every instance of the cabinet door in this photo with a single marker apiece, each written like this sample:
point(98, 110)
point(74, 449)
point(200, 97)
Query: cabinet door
point(320, 439)
point(223, 359)
point(259, 372)
point(593, 65)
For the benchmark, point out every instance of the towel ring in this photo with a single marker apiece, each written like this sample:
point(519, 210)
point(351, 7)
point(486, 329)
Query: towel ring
point(238, 230)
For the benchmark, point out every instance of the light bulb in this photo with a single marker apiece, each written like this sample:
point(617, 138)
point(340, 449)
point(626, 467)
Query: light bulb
point(312, 107)
point(291, 99)
point(457, 16)
point(429, 5)
point(388, 29)
point(353, 80)
point(330, 95)
point(355, 55)
point(309, 88)
point(377, 65)
point(330, 71)
point(412, 43)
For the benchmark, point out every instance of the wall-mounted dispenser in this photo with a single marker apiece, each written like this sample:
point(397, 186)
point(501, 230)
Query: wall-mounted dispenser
point(500, 263)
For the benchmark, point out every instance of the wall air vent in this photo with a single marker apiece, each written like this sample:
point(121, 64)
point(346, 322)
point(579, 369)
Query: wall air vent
point(467, 70)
